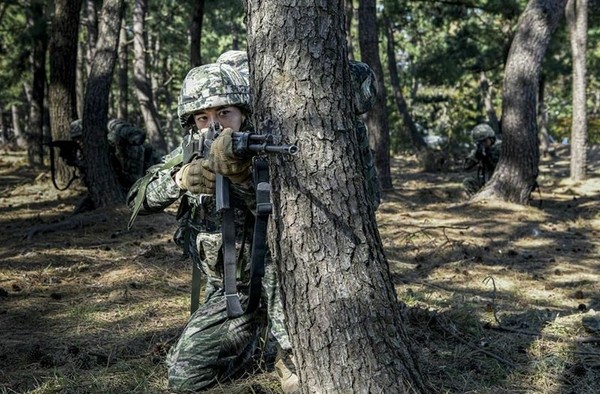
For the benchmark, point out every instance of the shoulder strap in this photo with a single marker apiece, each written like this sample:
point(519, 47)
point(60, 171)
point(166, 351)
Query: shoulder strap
point(141, 193)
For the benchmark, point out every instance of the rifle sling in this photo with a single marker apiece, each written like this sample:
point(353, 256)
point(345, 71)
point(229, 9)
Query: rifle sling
point(259, 239)
point(53, 171)
point(234, 307)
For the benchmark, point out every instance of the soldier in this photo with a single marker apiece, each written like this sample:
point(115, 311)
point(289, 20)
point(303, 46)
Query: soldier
point(365, 92)
point(484, 157)
point(212, 347)
point(130, 158)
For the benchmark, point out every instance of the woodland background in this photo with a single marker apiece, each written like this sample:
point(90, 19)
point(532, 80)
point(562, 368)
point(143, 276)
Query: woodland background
point(500, 297)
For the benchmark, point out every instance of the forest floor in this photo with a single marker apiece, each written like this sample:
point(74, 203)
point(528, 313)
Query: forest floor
point(501, 298)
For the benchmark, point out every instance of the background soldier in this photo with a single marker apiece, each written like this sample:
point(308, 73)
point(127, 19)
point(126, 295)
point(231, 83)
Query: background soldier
point(483, 157)
point(129, 156)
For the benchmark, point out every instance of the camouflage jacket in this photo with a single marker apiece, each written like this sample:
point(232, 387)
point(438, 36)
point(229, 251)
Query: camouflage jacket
point(197, 215)
point(485, 158)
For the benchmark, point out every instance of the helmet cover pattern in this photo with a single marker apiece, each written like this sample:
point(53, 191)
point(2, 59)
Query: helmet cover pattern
point(238, 60)
point(481, 132)
point(211, 85)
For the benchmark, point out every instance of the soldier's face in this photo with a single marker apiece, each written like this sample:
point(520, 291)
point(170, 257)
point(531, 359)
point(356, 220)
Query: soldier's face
point(229, 117)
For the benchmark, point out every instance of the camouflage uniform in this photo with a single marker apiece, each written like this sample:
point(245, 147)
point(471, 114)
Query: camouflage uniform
point(484, 158)
point(226, 343)
point(364, 89)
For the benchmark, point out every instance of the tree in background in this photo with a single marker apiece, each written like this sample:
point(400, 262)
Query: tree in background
point(143, 88)
point(377, 118)
point(34, 133)
point(516, 173)
point(576, 13)
point(62, 99)
point(102, 181)
point(342, 311)
point(196, 33)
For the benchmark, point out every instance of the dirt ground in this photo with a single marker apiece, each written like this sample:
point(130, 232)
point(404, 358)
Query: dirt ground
point(500, 298)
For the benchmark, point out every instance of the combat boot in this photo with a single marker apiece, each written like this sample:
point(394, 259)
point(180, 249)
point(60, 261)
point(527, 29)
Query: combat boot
point(286, 370)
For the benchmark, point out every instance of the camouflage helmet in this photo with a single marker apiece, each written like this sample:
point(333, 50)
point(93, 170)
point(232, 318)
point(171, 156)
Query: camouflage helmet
point(211, 85)
point(363, 86)
point(76, 129)
point(481, 132)
point(124, 133)
point(238, 60)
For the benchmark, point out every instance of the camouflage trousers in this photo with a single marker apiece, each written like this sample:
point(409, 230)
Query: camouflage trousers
point(471, 185)
point(213, 348)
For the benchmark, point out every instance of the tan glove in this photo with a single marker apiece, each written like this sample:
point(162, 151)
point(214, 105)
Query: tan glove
point(222, 160)
point(196, 177)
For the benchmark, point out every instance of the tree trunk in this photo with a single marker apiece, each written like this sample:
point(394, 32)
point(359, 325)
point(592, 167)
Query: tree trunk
point(16, 125)
point(34, 133)
point(488, 102)
point(577, 15)
point(415, 137)
point(349, 17)
point(142, 85)
point(342, 312)
point(123, 90)
point(516, 173)
point(62, 97)
point(101, 180)
point(542, 119)
point(196, 34)
point(91, 23)
point(377, 118)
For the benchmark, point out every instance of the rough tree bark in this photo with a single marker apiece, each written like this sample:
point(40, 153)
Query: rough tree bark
point(516, 173)
point(342, 312)
point(143, 89)
point(576, 12)
point(377, 118)
point(62, 98)
point(102, 181)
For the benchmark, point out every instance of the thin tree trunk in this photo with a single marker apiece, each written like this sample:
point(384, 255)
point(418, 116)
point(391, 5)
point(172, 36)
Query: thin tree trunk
point(35, 132)
point(123, 56)
point(577, 15)
point(196, 33)
point(349, 17)
point(542, 119)
point(488, 102)
point(101, 180)
point(62, 89)
point(415, 137)
point(91, 23)
point(516, 173)
point(341, 308)
point(377, 118)
point(16, 126)
point(142, 85)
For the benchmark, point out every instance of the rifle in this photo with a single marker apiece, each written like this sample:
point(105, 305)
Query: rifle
point(67, 150)
point(245, 144)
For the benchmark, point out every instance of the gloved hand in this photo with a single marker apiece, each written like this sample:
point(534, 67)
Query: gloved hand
point(222, 160)
point(196, 177)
